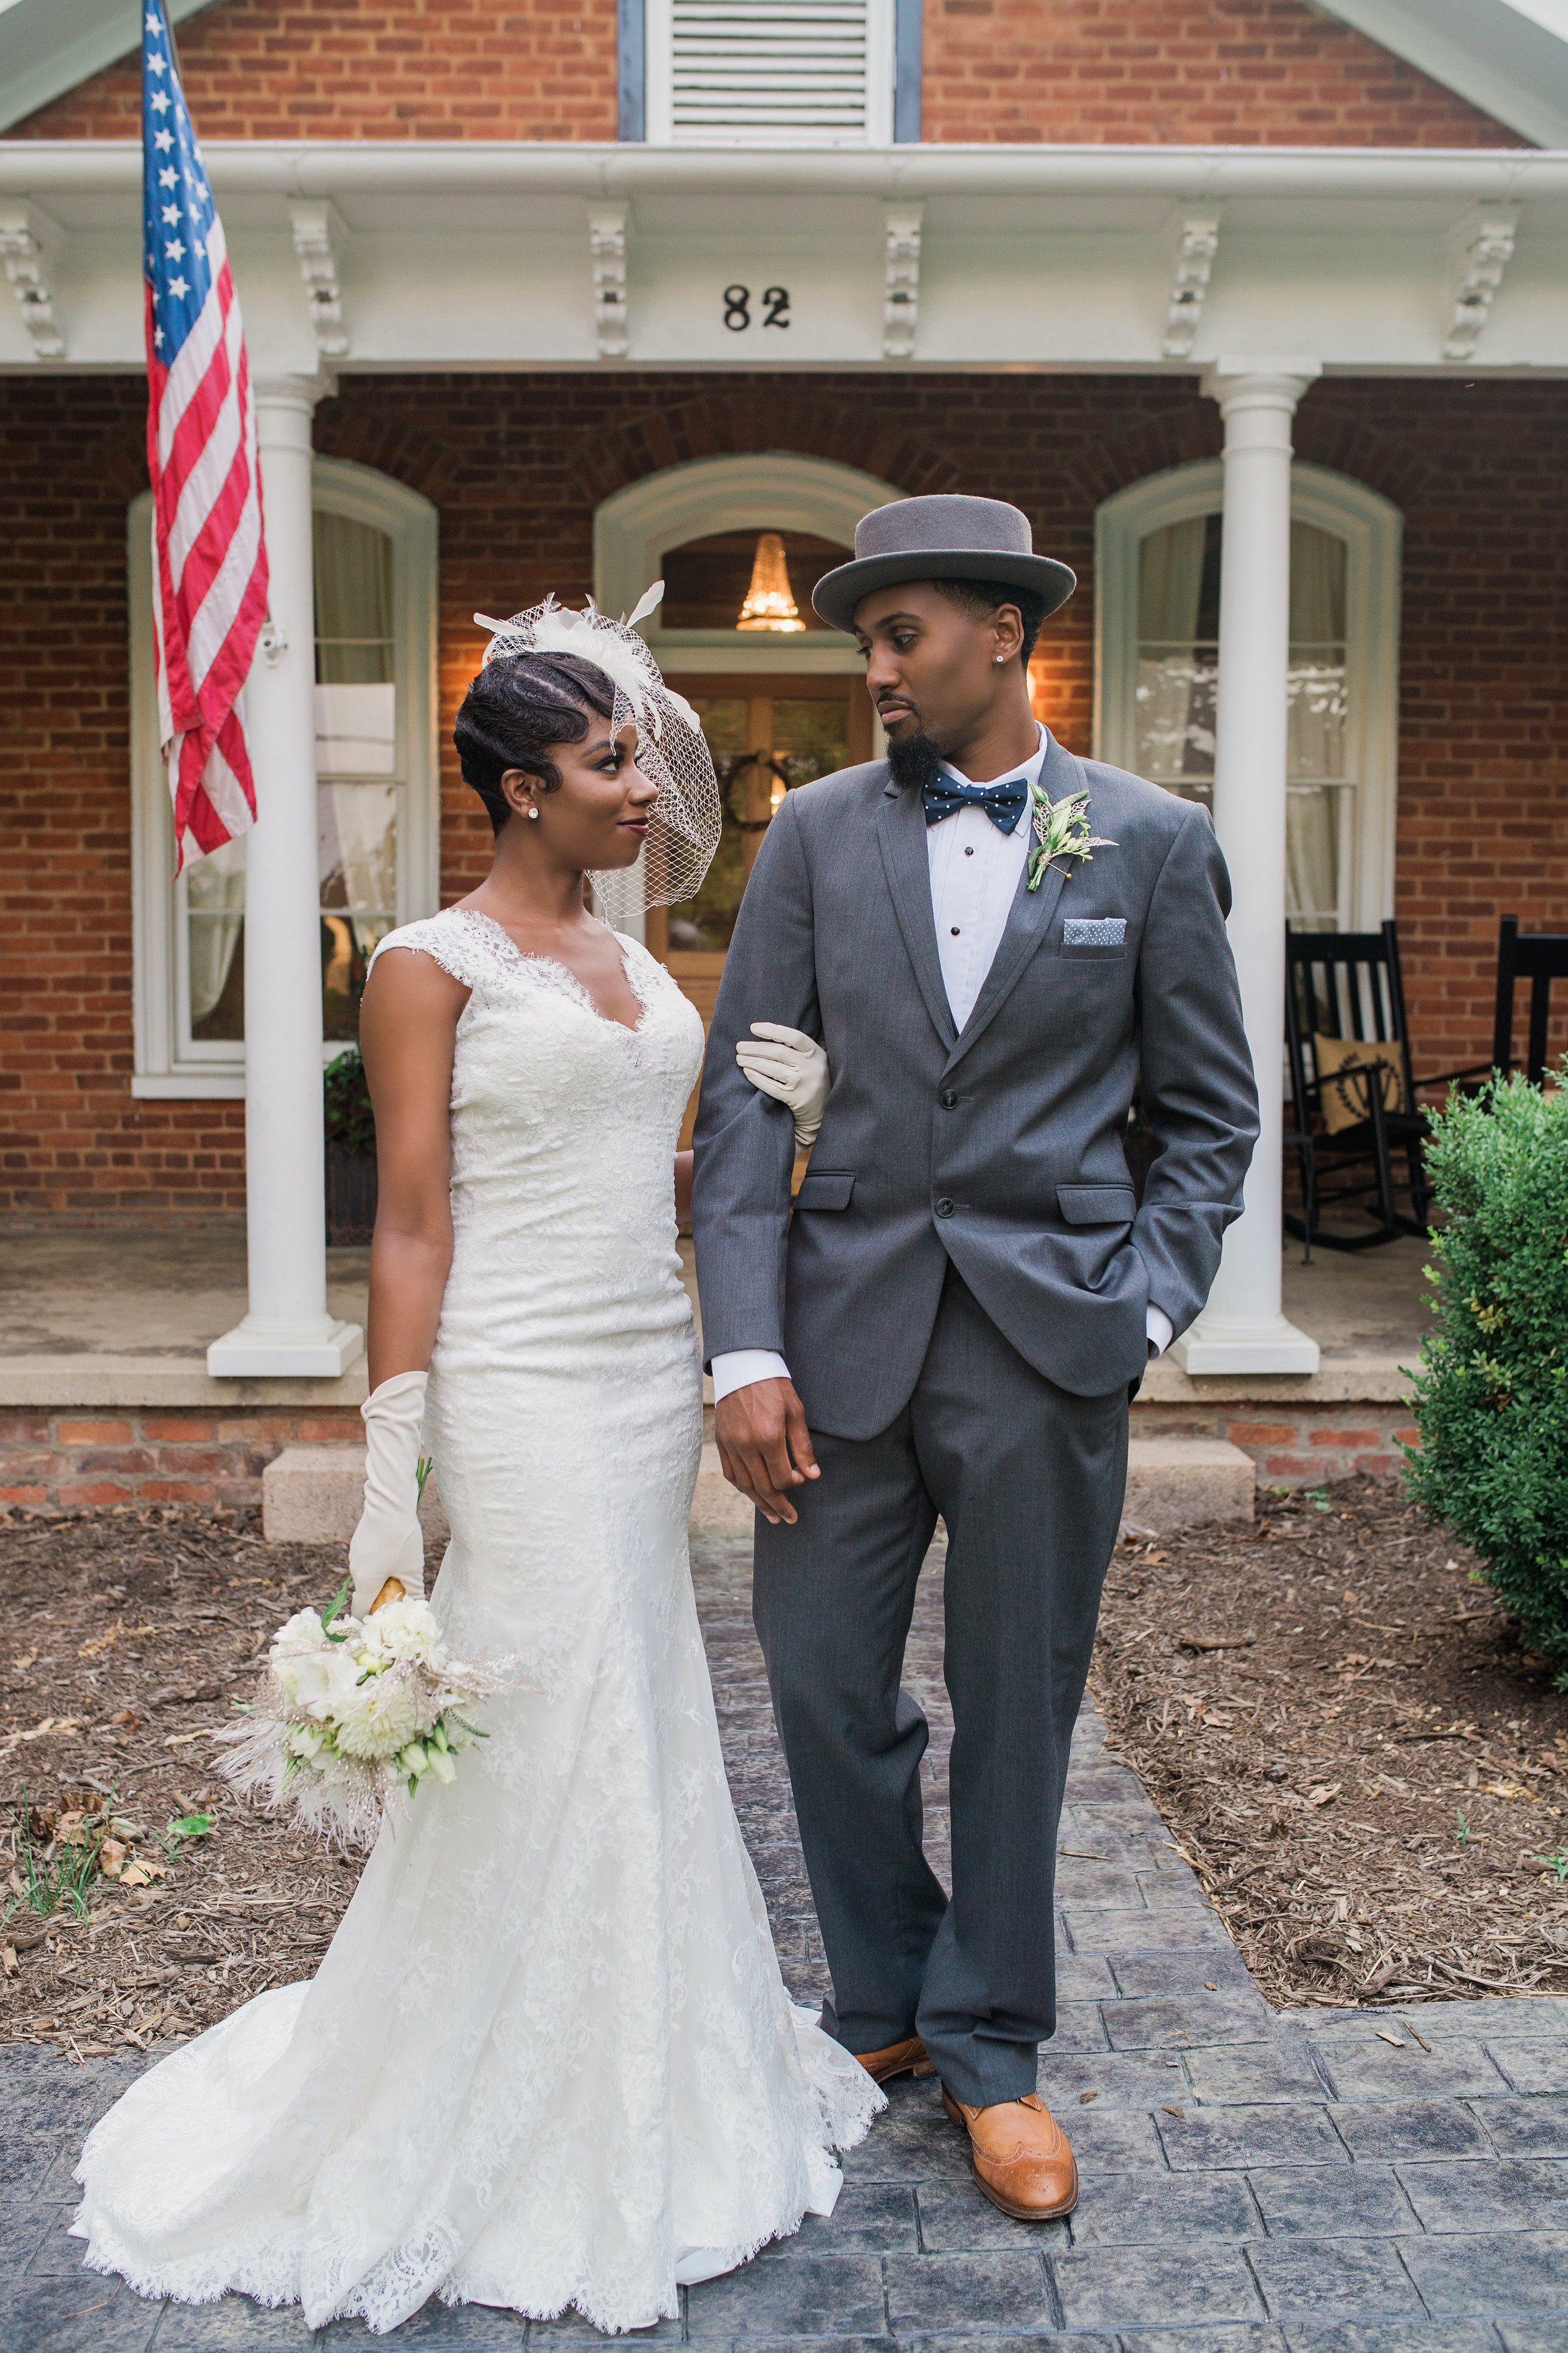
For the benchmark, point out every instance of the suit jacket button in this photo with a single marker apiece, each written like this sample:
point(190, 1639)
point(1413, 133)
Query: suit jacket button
point(944, 1208)
point(949, 1101)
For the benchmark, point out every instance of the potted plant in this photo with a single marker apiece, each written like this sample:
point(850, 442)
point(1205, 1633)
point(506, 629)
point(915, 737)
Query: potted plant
point(351, 1151)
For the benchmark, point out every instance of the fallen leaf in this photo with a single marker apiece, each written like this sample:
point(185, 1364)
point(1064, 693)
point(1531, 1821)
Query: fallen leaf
point(8, 1960)
point(1322, 1795)
point(1209, 1986)
point(1084, 2098)
point(1506, 1789)
point(132, 1722)
point(1215, 1641)
point(179, 1739)
point(1175, 2112)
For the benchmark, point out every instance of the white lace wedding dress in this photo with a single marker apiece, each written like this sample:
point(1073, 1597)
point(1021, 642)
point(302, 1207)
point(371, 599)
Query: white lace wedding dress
point(549, 2060)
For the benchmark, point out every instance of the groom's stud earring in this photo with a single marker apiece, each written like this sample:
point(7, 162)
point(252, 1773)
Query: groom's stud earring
point(1000, 658)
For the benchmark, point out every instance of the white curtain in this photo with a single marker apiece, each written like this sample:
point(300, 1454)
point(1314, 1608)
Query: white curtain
point(1319, 803)
point(359, 842)
point(214, 905)
point(1171, 700)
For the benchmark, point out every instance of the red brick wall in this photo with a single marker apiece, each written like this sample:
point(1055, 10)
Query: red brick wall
point(371, 69)
point(1233, 73)
point(517, 464)
point(1188, 72)
point(71, 1140)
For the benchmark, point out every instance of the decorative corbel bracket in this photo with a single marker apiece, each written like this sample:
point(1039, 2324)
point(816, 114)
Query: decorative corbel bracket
point(1195, 242)
point(28, 239)
point(319, 238)
point(1481, 249)
point(902, 225)
point(607, 227)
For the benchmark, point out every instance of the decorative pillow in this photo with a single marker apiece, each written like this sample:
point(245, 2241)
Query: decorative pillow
point(1345, 1098)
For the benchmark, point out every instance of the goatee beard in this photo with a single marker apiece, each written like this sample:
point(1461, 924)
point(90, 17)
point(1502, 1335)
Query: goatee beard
point(914, 760)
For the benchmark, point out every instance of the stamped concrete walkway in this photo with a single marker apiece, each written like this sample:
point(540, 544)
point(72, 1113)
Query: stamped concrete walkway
point(1327, 2182)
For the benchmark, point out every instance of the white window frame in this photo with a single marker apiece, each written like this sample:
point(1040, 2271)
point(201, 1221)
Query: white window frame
point(771, 491)
point(1371, 529)
point(170, 1063)
point(659, 88)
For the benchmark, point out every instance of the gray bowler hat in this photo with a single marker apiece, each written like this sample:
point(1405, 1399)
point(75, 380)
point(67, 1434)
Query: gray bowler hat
point(941, 539)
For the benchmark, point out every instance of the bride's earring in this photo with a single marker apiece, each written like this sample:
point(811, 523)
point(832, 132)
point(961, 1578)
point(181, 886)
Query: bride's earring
point(533, 812)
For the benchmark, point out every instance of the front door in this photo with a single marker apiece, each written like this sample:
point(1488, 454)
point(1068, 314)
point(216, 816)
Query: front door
point(766, 735)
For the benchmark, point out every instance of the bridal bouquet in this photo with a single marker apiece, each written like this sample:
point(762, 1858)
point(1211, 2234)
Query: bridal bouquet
point(352, 1713)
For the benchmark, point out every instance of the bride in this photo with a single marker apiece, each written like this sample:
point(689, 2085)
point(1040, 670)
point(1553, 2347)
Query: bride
point(549, 2060)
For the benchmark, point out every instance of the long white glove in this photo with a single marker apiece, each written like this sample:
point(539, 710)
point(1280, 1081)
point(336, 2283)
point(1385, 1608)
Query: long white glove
point(793, 1069)
point(388, 1541)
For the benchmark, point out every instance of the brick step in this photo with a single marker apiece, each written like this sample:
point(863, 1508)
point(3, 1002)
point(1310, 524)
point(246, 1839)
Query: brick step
point(311, 1495)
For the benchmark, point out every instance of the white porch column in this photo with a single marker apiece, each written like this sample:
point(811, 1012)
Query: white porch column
point(1241, 1330)
point(288, 1333)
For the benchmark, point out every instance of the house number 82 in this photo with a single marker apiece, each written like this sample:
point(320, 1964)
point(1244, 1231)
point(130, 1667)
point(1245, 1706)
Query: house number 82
point(738, 308)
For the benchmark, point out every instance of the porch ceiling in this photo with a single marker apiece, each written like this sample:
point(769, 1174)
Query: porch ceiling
point(506, 256)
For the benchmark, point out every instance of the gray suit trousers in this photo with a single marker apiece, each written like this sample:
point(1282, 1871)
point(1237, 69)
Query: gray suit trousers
point(1029, 1479)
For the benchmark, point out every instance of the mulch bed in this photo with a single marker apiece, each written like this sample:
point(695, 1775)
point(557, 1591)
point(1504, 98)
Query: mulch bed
point(1368, 1773)
point(123, 1636)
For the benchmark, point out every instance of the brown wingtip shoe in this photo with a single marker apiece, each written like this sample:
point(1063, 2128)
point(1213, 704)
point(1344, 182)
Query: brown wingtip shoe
point(1020, 2154)
point(906, 2058)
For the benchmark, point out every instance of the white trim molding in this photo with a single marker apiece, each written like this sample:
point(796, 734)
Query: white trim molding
point(319, 237)
point(1482, 248)
point(170, 1064)
point(900, 277)
point(607, 226)
point(775, 491)
point(1371, 528)
point(1194, 243)
point(27, 236)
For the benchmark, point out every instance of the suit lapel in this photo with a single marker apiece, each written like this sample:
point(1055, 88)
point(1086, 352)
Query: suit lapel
point(1029, 917)
point(901, 836)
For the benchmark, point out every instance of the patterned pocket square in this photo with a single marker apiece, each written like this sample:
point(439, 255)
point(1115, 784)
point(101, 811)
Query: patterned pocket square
point(1094, 932)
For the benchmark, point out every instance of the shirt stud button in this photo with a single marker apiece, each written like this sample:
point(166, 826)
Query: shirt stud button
point(955, 931)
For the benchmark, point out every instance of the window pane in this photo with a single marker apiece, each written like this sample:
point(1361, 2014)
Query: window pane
point(356, 835)
point(357, 696)
point(704, 924)
point(1176, 694)
point(705, 582)
point(1318, 822)
point(811, 738)
point(214, 930)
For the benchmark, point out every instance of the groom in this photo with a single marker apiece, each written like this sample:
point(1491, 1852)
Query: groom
point(954, 1318)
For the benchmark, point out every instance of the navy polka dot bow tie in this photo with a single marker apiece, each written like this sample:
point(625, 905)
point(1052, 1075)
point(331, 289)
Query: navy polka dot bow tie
point(1003, 804)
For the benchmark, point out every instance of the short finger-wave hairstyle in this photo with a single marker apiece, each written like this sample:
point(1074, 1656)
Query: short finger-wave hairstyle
point(516, 711)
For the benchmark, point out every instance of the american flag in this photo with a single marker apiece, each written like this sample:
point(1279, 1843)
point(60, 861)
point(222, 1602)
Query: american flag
point(207, 547)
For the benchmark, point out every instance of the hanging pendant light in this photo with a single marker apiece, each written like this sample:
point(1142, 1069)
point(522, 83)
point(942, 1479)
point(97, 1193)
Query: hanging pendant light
point(769, 603)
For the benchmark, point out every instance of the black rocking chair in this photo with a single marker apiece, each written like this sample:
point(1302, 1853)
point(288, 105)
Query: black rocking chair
point(1348, 985)
point(1540, 957)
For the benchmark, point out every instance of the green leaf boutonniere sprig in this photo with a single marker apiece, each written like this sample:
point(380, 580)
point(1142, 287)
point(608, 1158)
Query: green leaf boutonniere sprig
point(1061, 831)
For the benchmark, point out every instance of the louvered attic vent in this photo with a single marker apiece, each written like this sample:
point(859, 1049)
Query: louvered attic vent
point(780, 71)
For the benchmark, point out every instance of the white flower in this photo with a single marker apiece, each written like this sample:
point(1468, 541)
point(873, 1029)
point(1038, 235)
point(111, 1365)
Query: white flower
point(407, 1630)
point(318, 1682)
point(378, 1719)
point(304, 1631)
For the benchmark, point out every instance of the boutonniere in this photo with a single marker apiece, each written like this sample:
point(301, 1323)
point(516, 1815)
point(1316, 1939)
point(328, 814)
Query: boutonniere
point(1061, 831)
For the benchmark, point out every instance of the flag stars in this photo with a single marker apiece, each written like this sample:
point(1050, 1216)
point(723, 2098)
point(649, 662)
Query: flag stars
point(158, 338)
point(173, 250)
point(168, 177)
point(155, 64)
point(178, 288)
point(152, 24)
point(160, 101)
point(163, 141)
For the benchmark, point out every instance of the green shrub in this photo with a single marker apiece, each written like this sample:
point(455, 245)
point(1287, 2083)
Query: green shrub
point(350, 1119)
point(1491, 1396)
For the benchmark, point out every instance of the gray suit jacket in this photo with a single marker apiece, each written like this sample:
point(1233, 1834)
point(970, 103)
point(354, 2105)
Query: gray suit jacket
point(1001, 1147)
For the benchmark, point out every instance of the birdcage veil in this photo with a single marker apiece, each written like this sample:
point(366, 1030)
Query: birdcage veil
point(671, 752)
